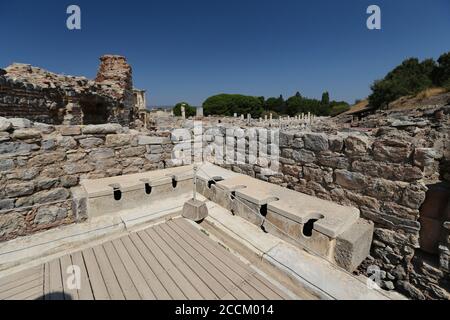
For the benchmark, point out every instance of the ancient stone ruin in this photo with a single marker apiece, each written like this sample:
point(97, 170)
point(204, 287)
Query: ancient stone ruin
point(43, 96)
point(378, 186)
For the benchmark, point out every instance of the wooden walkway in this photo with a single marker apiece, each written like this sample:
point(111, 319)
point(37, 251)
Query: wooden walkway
point(173, 260)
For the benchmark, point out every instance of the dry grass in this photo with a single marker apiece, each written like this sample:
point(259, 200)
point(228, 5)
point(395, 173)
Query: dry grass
point(430, 92)
point(431, 96)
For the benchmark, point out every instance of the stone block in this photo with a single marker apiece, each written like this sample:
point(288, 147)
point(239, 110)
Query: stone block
point(353, 246)
point(146, 140)
point(102, 128)
point(316, 141)
point(195, 210)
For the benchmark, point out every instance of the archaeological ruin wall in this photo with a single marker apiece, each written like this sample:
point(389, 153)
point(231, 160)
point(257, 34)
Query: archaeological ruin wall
point(43, 96)
point(39, 164)
point(389, 167)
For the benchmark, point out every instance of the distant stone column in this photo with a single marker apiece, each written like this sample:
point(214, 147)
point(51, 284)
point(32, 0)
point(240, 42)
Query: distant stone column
point(235, 115)
point(271, 117)
point(249, 118)
point(183, 112)
point(200, 112)
point(242, 117)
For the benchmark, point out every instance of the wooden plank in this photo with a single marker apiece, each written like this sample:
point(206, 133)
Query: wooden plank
point(189, 291)
point(85, 290)
point(182, 248)
point(252, 277)
point(70, 294)
point(56, 288)
point(151, 279)
point(219, 257)
point(31, 294)
point(19, 282)
point(99, 290)
point(24, 288)
point(20, 275)
point(190, 268)
point(160, 272)
point(138, 280)
point(46, 281)
point(111, 282)
point(128, 288)
point(210, 267)
point(235, 280)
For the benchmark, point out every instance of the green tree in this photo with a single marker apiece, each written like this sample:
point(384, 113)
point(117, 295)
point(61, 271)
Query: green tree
point(277, 105)
point(228, 104)
point(190, 111)
point(441, 74)
point(409, 78)
point(325, 98)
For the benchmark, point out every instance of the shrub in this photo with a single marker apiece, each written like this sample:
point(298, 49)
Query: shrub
point(409, 78)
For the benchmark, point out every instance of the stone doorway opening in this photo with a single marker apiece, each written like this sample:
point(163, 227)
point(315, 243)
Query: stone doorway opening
point(435, 211)
point(94, 111)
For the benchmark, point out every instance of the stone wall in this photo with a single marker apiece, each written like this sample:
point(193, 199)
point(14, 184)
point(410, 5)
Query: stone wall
point(382, 171)
point(39, 164)
point(43, 96)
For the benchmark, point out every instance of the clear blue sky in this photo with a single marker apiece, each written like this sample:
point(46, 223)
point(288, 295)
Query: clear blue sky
point(189, 50)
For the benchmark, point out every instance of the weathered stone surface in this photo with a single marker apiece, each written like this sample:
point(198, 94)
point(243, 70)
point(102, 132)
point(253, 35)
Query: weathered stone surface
point(77, 168)
point(336, 143)
point(101, 153)
point(385, 189)
point(4, 136)
point(145, 140)
point(89, 143)
point(17, 147)
point(69, 130)
point(20, 123)
point(303, 156)
point(6, 204)
point(49, 144)
point(286, 139)
point(67, 143)
point(69, 181)
point(5, 124)
point(333, 160)
point(392, 150)
point(132, 152)
point(414, 197)
point(6, 164)
point(25, 134)
point(44, 128)
point(11, 223)
point(48, 215)
point(425, 156)
point(357, 145)
point(118, 140)
point(19, 189)
point(51, 195)
point(102, 128)
point(350, 180)
point(316, 141)
point(47, 158)
point(47, 183)
point(154, 149)
point(295, 171)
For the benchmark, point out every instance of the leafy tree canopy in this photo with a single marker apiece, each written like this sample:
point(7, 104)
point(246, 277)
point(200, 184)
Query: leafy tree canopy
point(228, 104)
